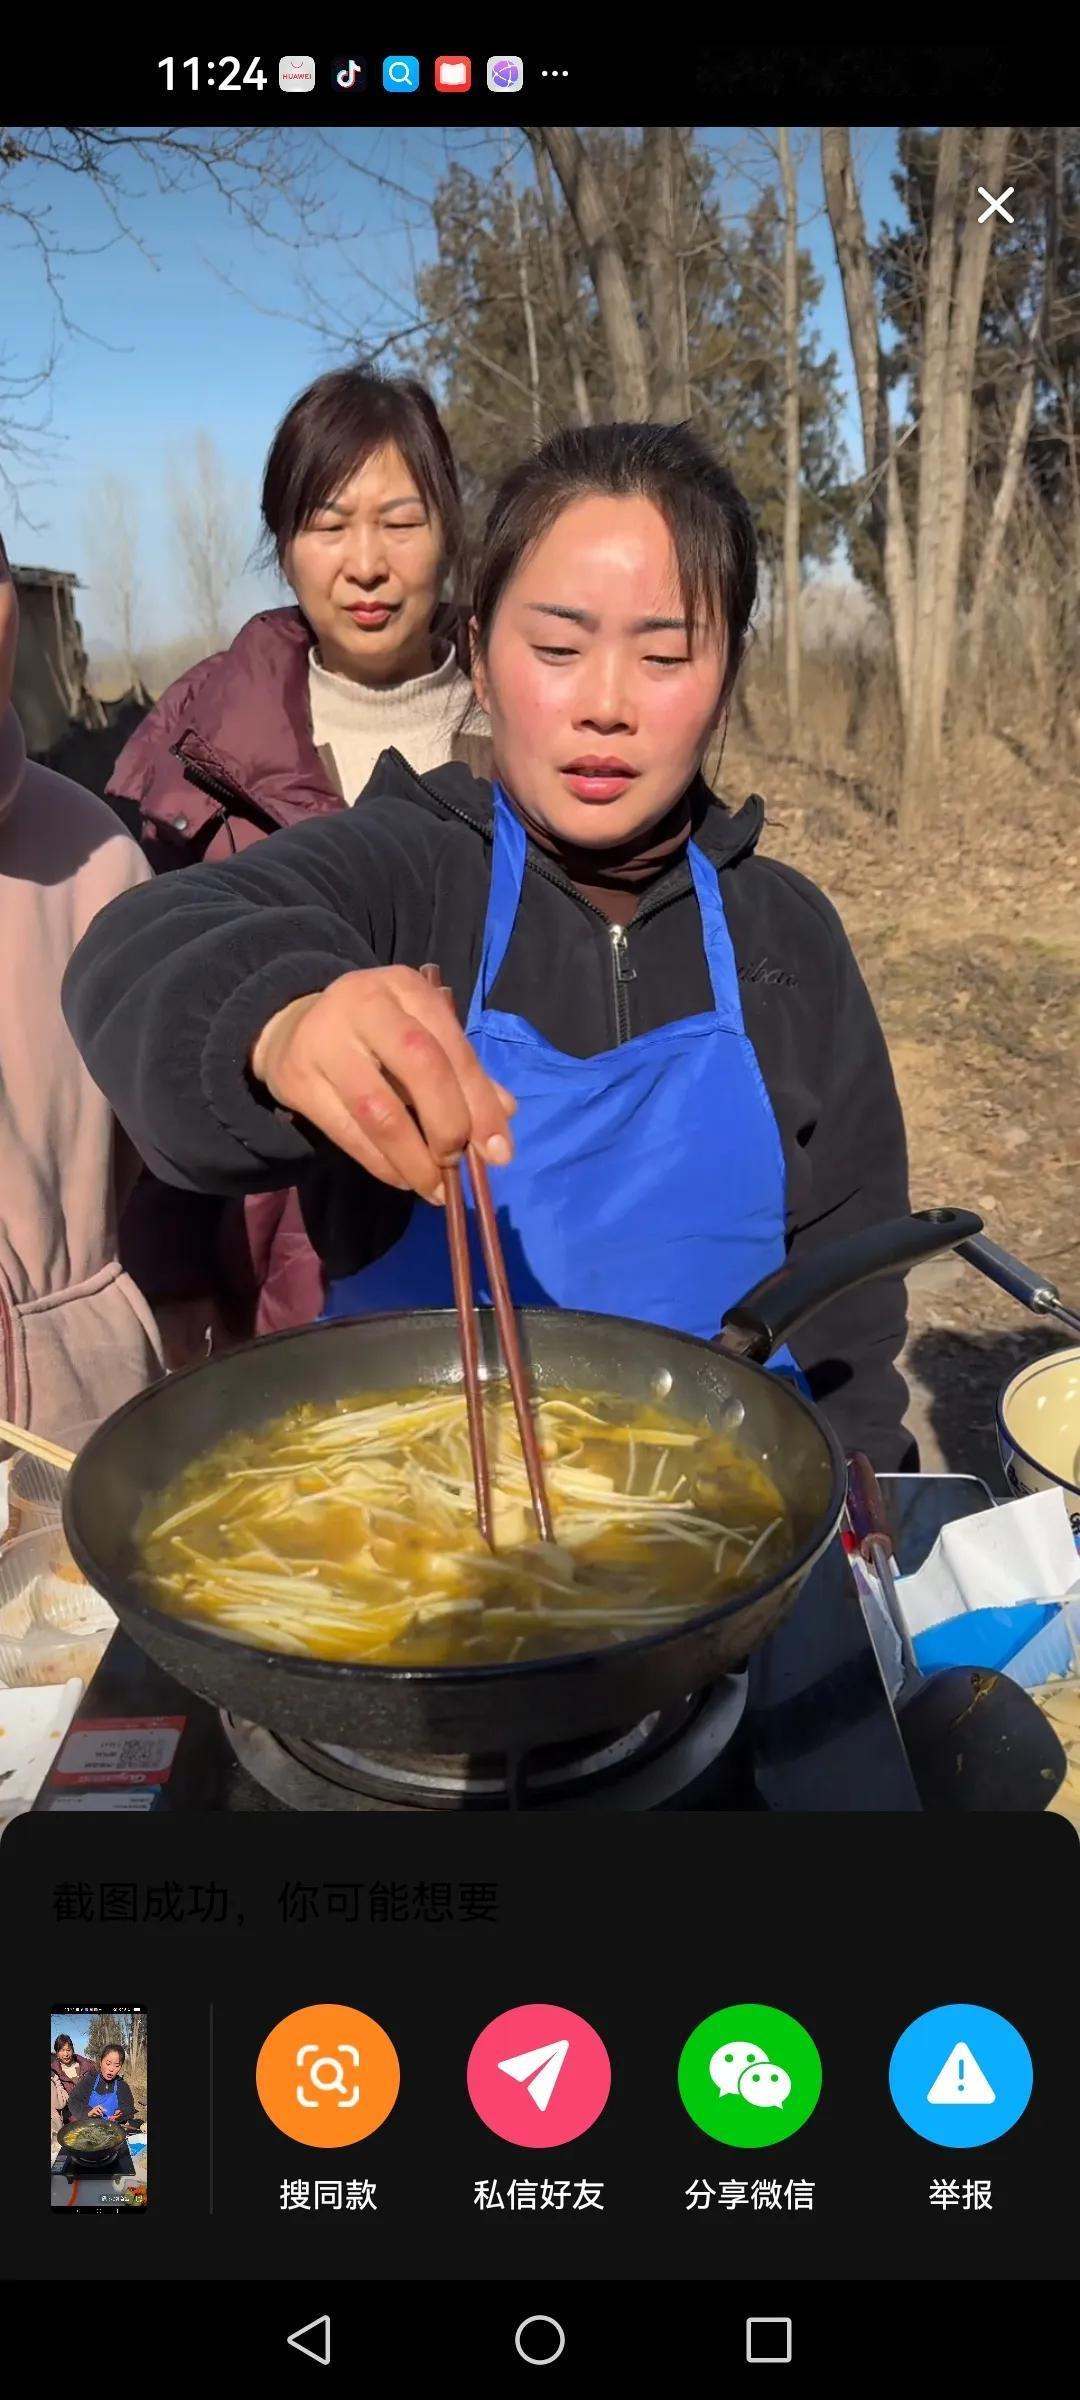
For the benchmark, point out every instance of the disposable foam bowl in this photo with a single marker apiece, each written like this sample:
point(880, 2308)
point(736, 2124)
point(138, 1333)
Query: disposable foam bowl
point(36, 1490)
point(53, 1625)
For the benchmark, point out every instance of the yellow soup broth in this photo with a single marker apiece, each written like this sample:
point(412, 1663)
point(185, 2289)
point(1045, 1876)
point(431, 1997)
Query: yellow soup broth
point(351, 1534)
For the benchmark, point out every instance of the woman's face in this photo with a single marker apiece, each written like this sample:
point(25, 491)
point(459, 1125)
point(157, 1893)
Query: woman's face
point(367, 573)
point(601, 706)
point(65, 2054)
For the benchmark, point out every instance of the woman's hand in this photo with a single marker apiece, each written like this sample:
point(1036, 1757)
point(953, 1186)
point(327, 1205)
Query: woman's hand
point(380, 1064)
point(97, 2112)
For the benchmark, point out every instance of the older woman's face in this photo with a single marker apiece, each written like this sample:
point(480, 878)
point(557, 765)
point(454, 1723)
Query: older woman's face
point(367, 573)
point(110, 2064)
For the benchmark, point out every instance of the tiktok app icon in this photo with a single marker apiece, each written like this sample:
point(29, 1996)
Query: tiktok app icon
point(350, 74)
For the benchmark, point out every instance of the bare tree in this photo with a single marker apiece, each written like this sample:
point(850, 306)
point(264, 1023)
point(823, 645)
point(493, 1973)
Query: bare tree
point(922, 595)
point(879, 449)
point(209, 540)
point(265, 178)
point(665, 282)
point(561, 278)
point(112, 541)
point(105, 2028)
point(599, 237)
point(1020, 425)
point(527, 310)
point(792, 435)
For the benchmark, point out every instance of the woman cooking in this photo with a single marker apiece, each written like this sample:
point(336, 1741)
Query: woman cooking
point(667, 1050)
point(103, 2092)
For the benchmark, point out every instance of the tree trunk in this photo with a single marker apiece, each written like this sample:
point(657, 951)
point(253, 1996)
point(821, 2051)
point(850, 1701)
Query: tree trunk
point(792, 436)
point(887, 514)
point(1000, 514)
point(922, 605)
point(665, 277)
point(560, 277)
point(922, 730)
point(607, 267)
point(956, 428)
point(1016, 447)
point(527, 310)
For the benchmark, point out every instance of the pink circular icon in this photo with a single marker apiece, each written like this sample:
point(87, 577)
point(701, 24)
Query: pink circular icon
point(539, 2076)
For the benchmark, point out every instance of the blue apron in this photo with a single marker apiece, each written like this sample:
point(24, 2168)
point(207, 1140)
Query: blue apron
point(647, 1182)
point(105, 2097)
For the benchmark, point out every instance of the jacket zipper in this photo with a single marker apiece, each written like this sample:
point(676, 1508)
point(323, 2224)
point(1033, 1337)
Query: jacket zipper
point(622, 973)
point(229, 797)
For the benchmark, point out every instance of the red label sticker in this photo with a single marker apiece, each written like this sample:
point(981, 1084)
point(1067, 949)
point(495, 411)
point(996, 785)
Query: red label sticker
point(119, 1751)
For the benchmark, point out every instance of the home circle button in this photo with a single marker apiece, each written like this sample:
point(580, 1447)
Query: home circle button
point(539, 2341)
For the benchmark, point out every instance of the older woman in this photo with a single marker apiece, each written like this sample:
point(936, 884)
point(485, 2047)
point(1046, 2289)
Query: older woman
point(362, 515)
point(67, 2067)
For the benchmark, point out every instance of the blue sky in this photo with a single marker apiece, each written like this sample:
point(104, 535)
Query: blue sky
point(199, 328)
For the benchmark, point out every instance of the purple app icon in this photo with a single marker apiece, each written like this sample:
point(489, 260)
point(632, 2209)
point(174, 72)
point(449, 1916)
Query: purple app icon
point(505, 74)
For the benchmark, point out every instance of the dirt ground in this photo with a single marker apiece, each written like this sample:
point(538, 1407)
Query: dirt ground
point(969, 939)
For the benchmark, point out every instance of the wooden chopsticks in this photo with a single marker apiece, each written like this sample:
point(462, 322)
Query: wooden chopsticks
point(36, 1446)
point(461, 1270)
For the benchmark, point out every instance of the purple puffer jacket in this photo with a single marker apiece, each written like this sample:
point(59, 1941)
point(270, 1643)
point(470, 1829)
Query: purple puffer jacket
point(60, 2090)
point(226, 757)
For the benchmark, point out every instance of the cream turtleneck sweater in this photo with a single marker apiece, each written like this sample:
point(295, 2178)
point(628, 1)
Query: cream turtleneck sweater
point(355, 722)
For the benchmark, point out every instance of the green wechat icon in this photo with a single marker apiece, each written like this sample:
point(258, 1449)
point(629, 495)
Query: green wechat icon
point(749, 2076)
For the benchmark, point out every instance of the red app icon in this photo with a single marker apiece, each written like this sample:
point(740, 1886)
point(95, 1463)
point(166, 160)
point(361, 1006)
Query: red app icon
point(453, 74)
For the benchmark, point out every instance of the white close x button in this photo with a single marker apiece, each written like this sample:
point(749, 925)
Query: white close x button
point(997, 207)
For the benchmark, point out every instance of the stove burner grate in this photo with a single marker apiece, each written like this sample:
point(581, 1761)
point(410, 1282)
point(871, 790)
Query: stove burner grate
point(664, 1753)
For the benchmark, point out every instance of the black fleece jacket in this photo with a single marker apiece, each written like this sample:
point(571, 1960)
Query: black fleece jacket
point(169, 988)
point(82, 2100)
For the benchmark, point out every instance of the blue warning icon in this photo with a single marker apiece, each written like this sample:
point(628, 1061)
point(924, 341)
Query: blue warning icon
point(961, 2076)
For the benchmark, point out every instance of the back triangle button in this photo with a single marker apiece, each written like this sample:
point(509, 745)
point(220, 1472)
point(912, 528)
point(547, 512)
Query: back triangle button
point(312, 2340)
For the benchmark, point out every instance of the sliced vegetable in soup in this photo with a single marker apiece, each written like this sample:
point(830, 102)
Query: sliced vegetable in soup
point(351, 1534)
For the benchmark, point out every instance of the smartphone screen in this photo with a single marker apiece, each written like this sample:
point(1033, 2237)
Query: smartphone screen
point(99, 2073)
point(539, 1397)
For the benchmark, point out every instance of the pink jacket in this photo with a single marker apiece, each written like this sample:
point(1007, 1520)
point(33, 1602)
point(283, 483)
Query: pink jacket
point(76, 1337)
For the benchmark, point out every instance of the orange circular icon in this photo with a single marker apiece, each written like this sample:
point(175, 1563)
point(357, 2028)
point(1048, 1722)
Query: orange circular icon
point(328, 2077)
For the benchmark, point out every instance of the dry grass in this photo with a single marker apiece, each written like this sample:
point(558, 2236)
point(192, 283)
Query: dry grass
point(969, 938)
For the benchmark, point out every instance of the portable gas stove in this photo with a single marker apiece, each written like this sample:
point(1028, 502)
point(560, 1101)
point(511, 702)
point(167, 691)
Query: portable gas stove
point(76, 2170)
point(807, 1727)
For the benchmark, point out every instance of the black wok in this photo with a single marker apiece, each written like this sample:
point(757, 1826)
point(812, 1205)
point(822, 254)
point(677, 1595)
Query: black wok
point(490, 1709)
point(86, 2142)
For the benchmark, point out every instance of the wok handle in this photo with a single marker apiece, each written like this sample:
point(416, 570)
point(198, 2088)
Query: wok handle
point(776, 1308)
point(1022, 1283)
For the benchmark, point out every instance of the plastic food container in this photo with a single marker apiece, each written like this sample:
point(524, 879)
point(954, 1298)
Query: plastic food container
point(35, 1490)
point(53, 1625)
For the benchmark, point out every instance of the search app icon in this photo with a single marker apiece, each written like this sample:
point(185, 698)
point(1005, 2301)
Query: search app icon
point(401, 74)
point(327, 2076)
